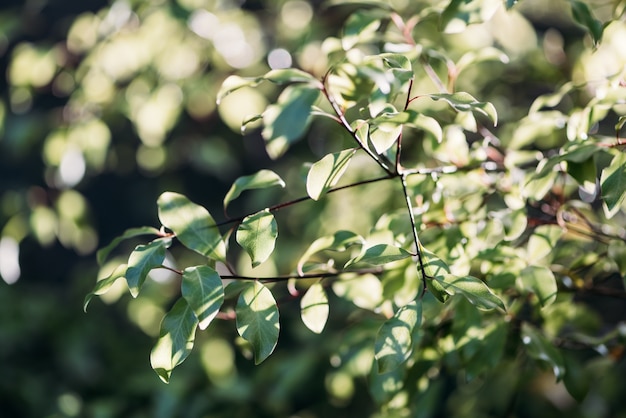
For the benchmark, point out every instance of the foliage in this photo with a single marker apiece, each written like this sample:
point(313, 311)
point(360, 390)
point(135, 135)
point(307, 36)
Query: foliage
point(448, 224)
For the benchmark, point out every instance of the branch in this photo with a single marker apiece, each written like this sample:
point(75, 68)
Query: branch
point(418, 249)
point(296, 276)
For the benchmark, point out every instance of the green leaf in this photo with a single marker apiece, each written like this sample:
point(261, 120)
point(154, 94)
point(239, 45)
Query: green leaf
point(473, 289)
point(289, 75)
point(613, 183)
point(582, 15)
point(260, 180)
point(339, 241)
point(483, 54)
point(395, 339)
point(538, 347)
point(552, 99)
point(202, 289)
point(257, 319)
point(325, 173)
point(143, 259)
point(257, 235)
point(360, 27)
point(288, 119)
point(176, 338)
point(103, 253)
point(540, 281)
point(363, 290)
point(233, 83)
point(542, 242)
point(384, 135)
point(103, 286)
point(193, 225)
point(314, 308)
point(379, 254)
point(464, 102)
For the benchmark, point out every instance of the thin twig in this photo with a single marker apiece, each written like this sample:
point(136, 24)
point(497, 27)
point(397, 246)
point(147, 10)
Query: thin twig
point(418, 249)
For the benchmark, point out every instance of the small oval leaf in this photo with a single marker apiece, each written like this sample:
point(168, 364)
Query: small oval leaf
point(540, 281)
point(103, 253)
point(202, 289)
point(143, 259)
point(395, 339)
point(325, 173)
point(257, 235)
point(259, 180)
point(314, 308)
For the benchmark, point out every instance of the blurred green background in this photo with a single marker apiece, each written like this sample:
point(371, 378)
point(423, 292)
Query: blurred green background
point(105, 105)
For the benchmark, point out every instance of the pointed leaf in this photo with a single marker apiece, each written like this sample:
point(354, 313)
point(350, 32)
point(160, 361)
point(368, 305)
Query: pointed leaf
point(582, 15)
point(325, 173)
point(314, 308)
point(143, 259)
point(259, 180)
point(613, 182)
point(540, 281)
point(289, 75)
point(103, 286)
point(193, 225)
point(473, 289)
point(384, 135)
point(257, 235)
point(395, 339)
point(176, 338)
point(538, 347)
point(257, 319)
point(379, 254)
point(103, 253)
point(339, 241)
point(202, 289)
point(464, 102)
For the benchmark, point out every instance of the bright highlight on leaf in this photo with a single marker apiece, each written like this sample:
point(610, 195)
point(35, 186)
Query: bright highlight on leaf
point(613, 181)
point(325, 173)
point(143, 259)
point(339, 241)
point(473, 289)
point(104, 252)
point(257, 235)
point(193, 225)
point(257, 319)
point(202, 289)
point(314, 308)
point(379, 254)
point(464, 102)
point(103, 286)
point(396, 338)
point(261, 180)
point(540, 281)
point(176, 339)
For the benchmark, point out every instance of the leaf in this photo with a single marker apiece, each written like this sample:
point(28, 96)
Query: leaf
point(314, 308)
point(193, 225)
point(103, 253)
point(473, 289)
point(176, 338)
point(540, 281)
point(379, 254)
point(542, 242)
point(257, 319)
point(359, 27)
point(395, 339)
point(103, 286)
point(538, 347)
point(289, 75)
point(257, 235)
point(613, 183)
point(384, 135)
point(260, 180)
point(233, 83)
point(288, 119)
point(339, 241)
point(143, 259)
point(363, 290)
point(582, 15)
point(552, 99)
point(464, 102)
point(325, 173)
point(202, 289)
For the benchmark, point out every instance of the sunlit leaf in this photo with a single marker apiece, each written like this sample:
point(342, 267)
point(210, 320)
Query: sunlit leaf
point(143, 259)
point(543, 241)
point(325, 173)
point(202, 289)
point(104, 252)
point(176, 338)
point(314, 308)
point(257, 319)
point(257, 235)
point(613, 183)
point(384, 135)
point(288, 119)
point(364, 290)
point(473, 289)
point(538, 347)
point(395, 339)
point(103, 286)
point(339, 241)
point(540, 281)
point(233, 83)
point(193, 225)
point(466, 102)
point(259, 180)
point(289, 75)
point(379, 254)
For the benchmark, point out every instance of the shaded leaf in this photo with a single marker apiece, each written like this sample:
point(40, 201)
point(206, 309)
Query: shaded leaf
point(176, 339)
point(103, 286)
point(104, 252)
point(464, 102)
point(259, 180)
point(359, 27)
point(395, 339)
point(143, 259)
point(540, 281)
point(325, 173)
point(582, 15)
point(193, 225)
point(257, 235)
point(613, 183)
point(538, 347)
point(542, 242)
point(473, 289)
point(202, 289)
point(339, 241)
point(257, 319)
point(314, 308)
point(379, 254)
